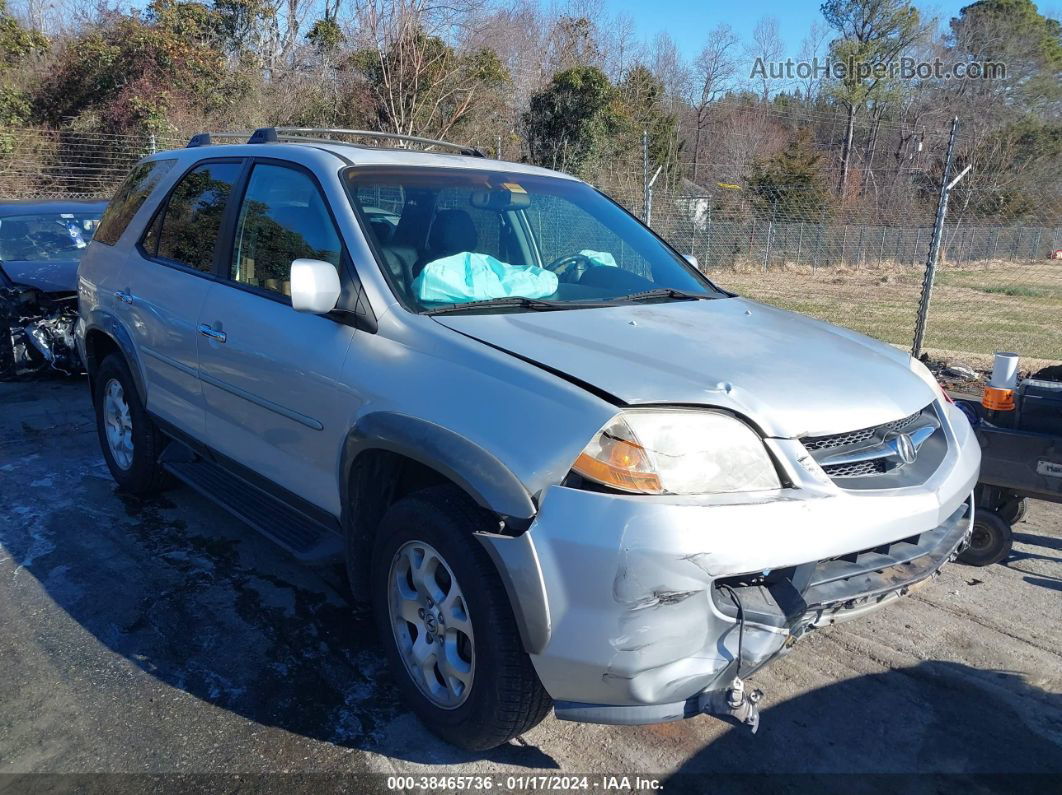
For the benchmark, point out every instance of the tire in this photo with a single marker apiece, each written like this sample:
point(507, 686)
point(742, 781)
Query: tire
point(1013, 510)
point(8, 317)
point(134, 461)
point(7, 354)
point(500, 696)
point(990, 541)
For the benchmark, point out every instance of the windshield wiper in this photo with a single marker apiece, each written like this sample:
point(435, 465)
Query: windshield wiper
point(665, 292)
point(518, 301)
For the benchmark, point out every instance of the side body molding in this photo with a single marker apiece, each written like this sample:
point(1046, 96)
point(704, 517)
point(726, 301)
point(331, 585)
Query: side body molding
point(477, 471)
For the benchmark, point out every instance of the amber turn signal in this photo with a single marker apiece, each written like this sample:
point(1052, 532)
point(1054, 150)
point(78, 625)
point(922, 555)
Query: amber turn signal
point(619, 468)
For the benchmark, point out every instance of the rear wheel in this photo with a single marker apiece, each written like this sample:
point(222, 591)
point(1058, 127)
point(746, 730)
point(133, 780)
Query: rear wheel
point(8, 319)
point(129, 439)
point(446, 624)
point(990, 541)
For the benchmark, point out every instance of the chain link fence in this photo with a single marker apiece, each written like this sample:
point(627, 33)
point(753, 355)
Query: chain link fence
point(998, 285)
point(46, 163)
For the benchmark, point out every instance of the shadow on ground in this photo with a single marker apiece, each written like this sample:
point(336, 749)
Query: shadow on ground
point(201, 602)
point(934, 727)
point(1035, 540)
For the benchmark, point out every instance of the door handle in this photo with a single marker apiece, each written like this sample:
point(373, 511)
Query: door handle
point(214, 334)
point(123, 296)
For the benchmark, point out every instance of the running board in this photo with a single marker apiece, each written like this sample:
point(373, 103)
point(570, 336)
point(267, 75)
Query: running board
point(306, 539)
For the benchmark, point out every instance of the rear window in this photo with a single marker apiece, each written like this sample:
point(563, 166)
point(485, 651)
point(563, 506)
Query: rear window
point(191, 221)
point(129, 198)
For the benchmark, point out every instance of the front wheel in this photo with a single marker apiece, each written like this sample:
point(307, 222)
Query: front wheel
point(446, 624)
point(990, 541)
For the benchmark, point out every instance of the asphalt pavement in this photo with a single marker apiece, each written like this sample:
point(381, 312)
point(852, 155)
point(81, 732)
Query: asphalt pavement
point(162, 636)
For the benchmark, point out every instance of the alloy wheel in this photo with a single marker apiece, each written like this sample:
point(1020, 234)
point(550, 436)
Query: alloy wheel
point(118, 424)
point(431, 625)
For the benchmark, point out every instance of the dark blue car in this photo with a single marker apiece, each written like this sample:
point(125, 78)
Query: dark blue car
point(41, 243)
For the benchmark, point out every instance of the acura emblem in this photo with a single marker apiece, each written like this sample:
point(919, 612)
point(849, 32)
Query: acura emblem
point(904, 447)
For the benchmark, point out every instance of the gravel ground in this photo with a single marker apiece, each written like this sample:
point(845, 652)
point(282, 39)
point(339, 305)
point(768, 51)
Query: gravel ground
point(163, 636)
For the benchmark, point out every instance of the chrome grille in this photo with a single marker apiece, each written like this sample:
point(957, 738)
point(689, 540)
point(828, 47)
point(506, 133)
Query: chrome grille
point(859, 469)
point(815, 443)
point(871, 457)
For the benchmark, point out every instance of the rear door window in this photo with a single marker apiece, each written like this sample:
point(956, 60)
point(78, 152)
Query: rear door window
point(187, 229)
point(129, 198)
point(283, 217)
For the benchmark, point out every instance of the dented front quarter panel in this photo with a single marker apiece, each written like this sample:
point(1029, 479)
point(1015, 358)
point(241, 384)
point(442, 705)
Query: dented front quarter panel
point(629, 579)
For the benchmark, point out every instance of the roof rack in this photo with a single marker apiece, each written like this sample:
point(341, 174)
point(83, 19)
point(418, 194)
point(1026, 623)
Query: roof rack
point(266, 135)
point(275, 134)
point(206, 139)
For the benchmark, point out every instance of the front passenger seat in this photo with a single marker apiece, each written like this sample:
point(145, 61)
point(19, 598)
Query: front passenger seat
point(452, 232)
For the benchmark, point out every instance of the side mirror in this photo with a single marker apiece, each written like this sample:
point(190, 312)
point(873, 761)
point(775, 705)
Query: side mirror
point(692, 260)
point(314, 286)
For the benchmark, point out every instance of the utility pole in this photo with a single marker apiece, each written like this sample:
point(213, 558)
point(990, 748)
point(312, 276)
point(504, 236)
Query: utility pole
point(770, 234)
point(649, 197)
point(934, 244)
point(645, 176)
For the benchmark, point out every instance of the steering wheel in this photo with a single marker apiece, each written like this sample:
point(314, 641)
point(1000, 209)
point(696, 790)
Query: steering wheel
point(570, 268)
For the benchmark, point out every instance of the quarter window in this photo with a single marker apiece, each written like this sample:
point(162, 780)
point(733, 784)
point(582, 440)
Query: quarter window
point(188, 230)
point(283, 217)
point(129, 198)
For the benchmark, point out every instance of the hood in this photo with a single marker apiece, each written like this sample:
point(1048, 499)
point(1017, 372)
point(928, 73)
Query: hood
point(56, 276)
point(789, 374)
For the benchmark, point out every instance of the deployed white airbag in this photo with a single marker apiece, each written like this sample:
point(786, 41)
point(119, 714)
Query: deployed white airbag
point(469, 276)
point(600, 258)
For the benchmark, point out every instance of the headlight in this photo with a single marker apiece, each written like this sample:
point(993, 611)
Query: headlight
point(676, 451)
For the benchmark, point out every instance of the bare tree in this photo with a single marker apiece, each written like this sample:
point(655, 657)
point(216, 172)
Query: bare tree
point(622, 48)
point(813, 51)
point(766, 45)
point(668, 66)
point(518, 34)
point(420, 82)
point(713, 74)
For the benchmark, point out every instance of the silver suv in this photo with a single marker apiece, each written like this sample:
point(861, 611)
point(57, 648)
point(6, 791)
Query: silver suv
point(569, 471)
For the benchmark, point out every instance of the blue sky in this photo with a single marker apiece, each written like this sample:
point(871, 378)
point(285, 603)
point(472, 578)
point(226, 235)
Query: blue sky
point(688, 21)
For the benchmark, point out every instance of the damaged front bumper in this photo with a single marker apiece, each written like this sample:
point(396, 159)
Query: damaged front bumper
point(633, 602)
point(37, 332)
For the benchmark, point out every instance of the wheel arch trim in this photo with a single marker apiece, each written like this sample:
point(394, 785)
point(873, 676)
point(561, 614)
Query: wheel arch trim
point(487, 481)
point(108, 325)
point(516, 560)
point(479, 473)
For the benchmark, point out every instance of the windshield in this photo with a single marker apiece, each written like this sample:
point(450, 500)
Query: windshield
point(45, 237)
point(460, 237)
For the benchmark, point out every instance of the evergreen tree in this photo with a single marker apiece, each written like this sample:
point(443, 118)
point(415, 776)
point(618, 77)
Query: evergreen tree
point(790, 184)
point(569, 123)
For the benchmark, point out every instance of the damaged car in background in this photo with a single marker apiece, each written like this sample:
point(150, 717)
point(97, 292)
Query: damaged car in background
point(41, 243)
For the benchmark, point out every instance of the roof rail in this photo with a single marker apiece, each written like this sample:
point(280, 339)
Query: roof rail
point(206, 139)
point(278, 134)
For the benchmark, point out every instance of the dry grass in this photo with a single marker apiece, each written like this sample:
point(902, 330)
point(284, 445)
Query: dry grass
point(975, 310)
